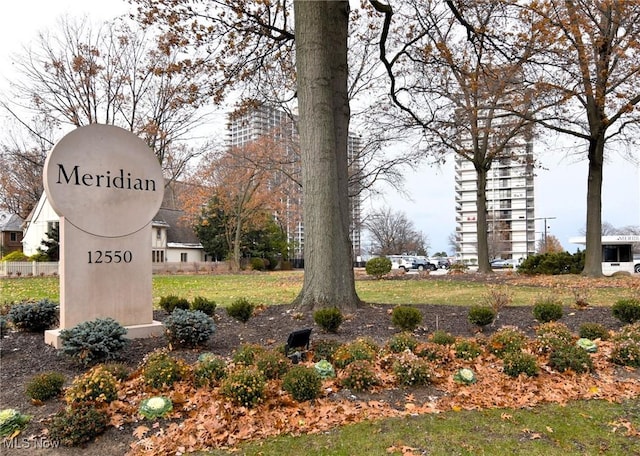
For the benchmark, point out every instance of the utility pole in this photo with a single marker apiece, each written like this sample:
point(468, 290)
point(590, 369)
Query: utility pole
point(544, 239)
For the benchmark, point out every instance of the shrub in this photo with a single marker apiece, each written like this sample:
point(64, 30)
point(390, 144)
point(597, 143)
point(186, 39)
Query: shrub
point(378, 267)
point(78, 425)
point(172, 302)
point(159, 370)
point(553, 263)
point(246, 354)
point(34, 316)
point(547, 309)
point(96, 385)
point(631, 331)
point(204, 305)
point(402, 341)
point(626, 352)
point(188, 328)
point(552, 335)
point(209, 370)
point(118, 370)
point(411, 370)
point(45, 386)
point(241, 309)
point(96, 340)
point(358, 350)
point(434, 352)
point(155, 407)
point(16, 255)
point(324, 349)
point(12, 422)
point(506, 340)
point(496, 299)
point(481, 315)
point(593, 331)
point(329, 318)
point(441, 337)
point(257, 264)
point(245, 387)
point(520, 363)
point(570, 357)
point(359, 376)
point(272, 364)
point(406, 318)
point(467, 349)
point(627, 310)
point(303, 383)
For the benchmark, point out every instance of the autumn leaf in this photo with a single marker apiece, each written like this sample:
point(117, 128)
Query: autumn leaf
point(140, 432)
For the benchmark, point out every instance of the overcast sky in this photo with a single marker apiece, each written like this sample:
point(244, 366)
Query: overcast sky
point(560, 188)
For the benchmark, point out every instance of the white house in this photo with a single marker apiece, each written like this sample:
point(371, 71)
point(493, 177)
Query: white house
point(171, 239)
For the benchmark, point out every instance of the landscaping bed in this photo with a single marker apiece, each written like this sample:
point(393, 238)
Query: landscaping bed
point(202, 418)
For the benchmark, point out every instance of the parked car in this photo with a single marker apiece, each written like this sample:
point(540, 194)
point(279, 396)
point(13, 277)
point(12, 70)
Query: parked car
point(443, 263)
point(403, 262)
point(636, 264)
point(503, 264)
point(422, 264)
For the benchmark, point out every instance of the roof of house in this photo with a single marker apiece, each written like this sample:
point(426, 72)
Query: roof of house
point(10, 222)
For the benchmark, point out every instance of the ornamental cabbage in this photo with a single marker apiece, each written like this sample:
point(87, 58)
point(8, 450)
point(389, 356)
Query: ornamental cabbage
point(588, 345)
point(325, 369)
point(465, 376)
point(155, 407)
point(12, 422)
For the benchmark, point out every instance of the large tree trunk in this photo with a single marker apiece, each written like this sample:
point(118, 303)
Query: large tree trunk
point(321, 63)
point(593, 253)
point(481, 220)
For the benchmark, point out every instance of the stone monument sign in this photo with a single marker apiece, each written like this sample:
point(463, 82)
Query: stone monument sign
point(106, 185)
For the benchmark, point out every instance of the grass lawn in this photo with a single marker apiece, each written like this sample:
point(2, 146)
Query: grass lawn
point(579, 428)
point(282, 287)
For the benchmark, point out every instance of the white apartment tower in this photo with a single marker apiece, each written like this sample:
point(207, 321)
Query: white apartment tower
point(510, 206)
point(264, 120)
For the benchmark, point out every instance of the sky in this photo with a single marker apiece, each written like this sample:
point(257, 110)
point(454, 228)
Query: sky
point(429, 202)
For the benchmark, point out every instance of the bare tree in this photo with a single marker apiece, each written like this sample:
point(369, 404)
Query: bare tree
point(113, 74)
point(462, 95)
point(393, 233)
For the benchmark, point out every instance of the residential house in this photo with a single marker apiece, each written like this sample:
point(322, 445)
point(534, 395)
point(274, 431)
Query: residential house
point(10, 233)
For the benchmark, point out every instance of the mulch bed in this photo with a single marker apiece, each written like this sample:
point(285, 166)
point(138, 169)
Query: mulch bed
point(23, 355)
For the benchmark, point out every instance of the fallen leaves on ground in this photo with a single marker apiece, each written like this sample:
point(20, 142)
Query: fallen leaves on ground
point(202, 418)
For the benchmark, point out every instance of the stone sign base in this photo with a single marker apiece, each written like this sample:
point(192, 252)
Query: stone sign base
point(153, 329)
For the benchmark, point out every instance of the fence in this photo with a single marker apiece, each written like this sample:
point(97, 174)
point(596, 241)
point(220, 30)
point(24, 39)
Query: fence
point(28, 268)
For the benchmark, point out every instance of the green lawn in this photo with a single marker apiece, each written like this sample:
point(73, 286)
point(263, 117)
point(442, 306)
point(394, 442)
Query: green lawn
point(579, 428)
point(283, 287)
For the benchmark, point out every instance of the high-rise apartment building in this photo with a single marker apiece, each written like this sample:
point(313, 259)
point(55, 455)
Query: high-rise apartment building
point(281, 125)
point(510, 206)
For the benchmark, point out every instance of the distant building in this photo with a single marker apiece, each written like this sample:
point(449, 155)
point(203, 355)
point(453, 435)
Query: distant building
point(173, 241)
point(510, 206)
point(265, 120)
point(10, 233)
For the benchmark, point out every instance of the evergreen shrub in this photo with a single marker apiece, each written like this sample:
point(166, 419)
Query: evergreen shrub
point(204, 305)
point(303, 383)
point(441, 337)
point(77, 425)
point(572, 357)
point(188, 328)
point(45, 386)
point(406, 318)
point(593, 331)
point(378, 267)
point(328, 318)
point(481, 315)
point(241, 309)
point(96, 340)
point(171, 302)
point(627, 310)
point(34, 316)
point(547, 309)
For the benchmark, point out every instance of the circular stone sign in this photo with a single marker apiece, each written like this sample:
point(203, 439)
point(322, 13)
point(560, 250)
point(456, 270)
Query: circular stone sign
point(104, 180)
